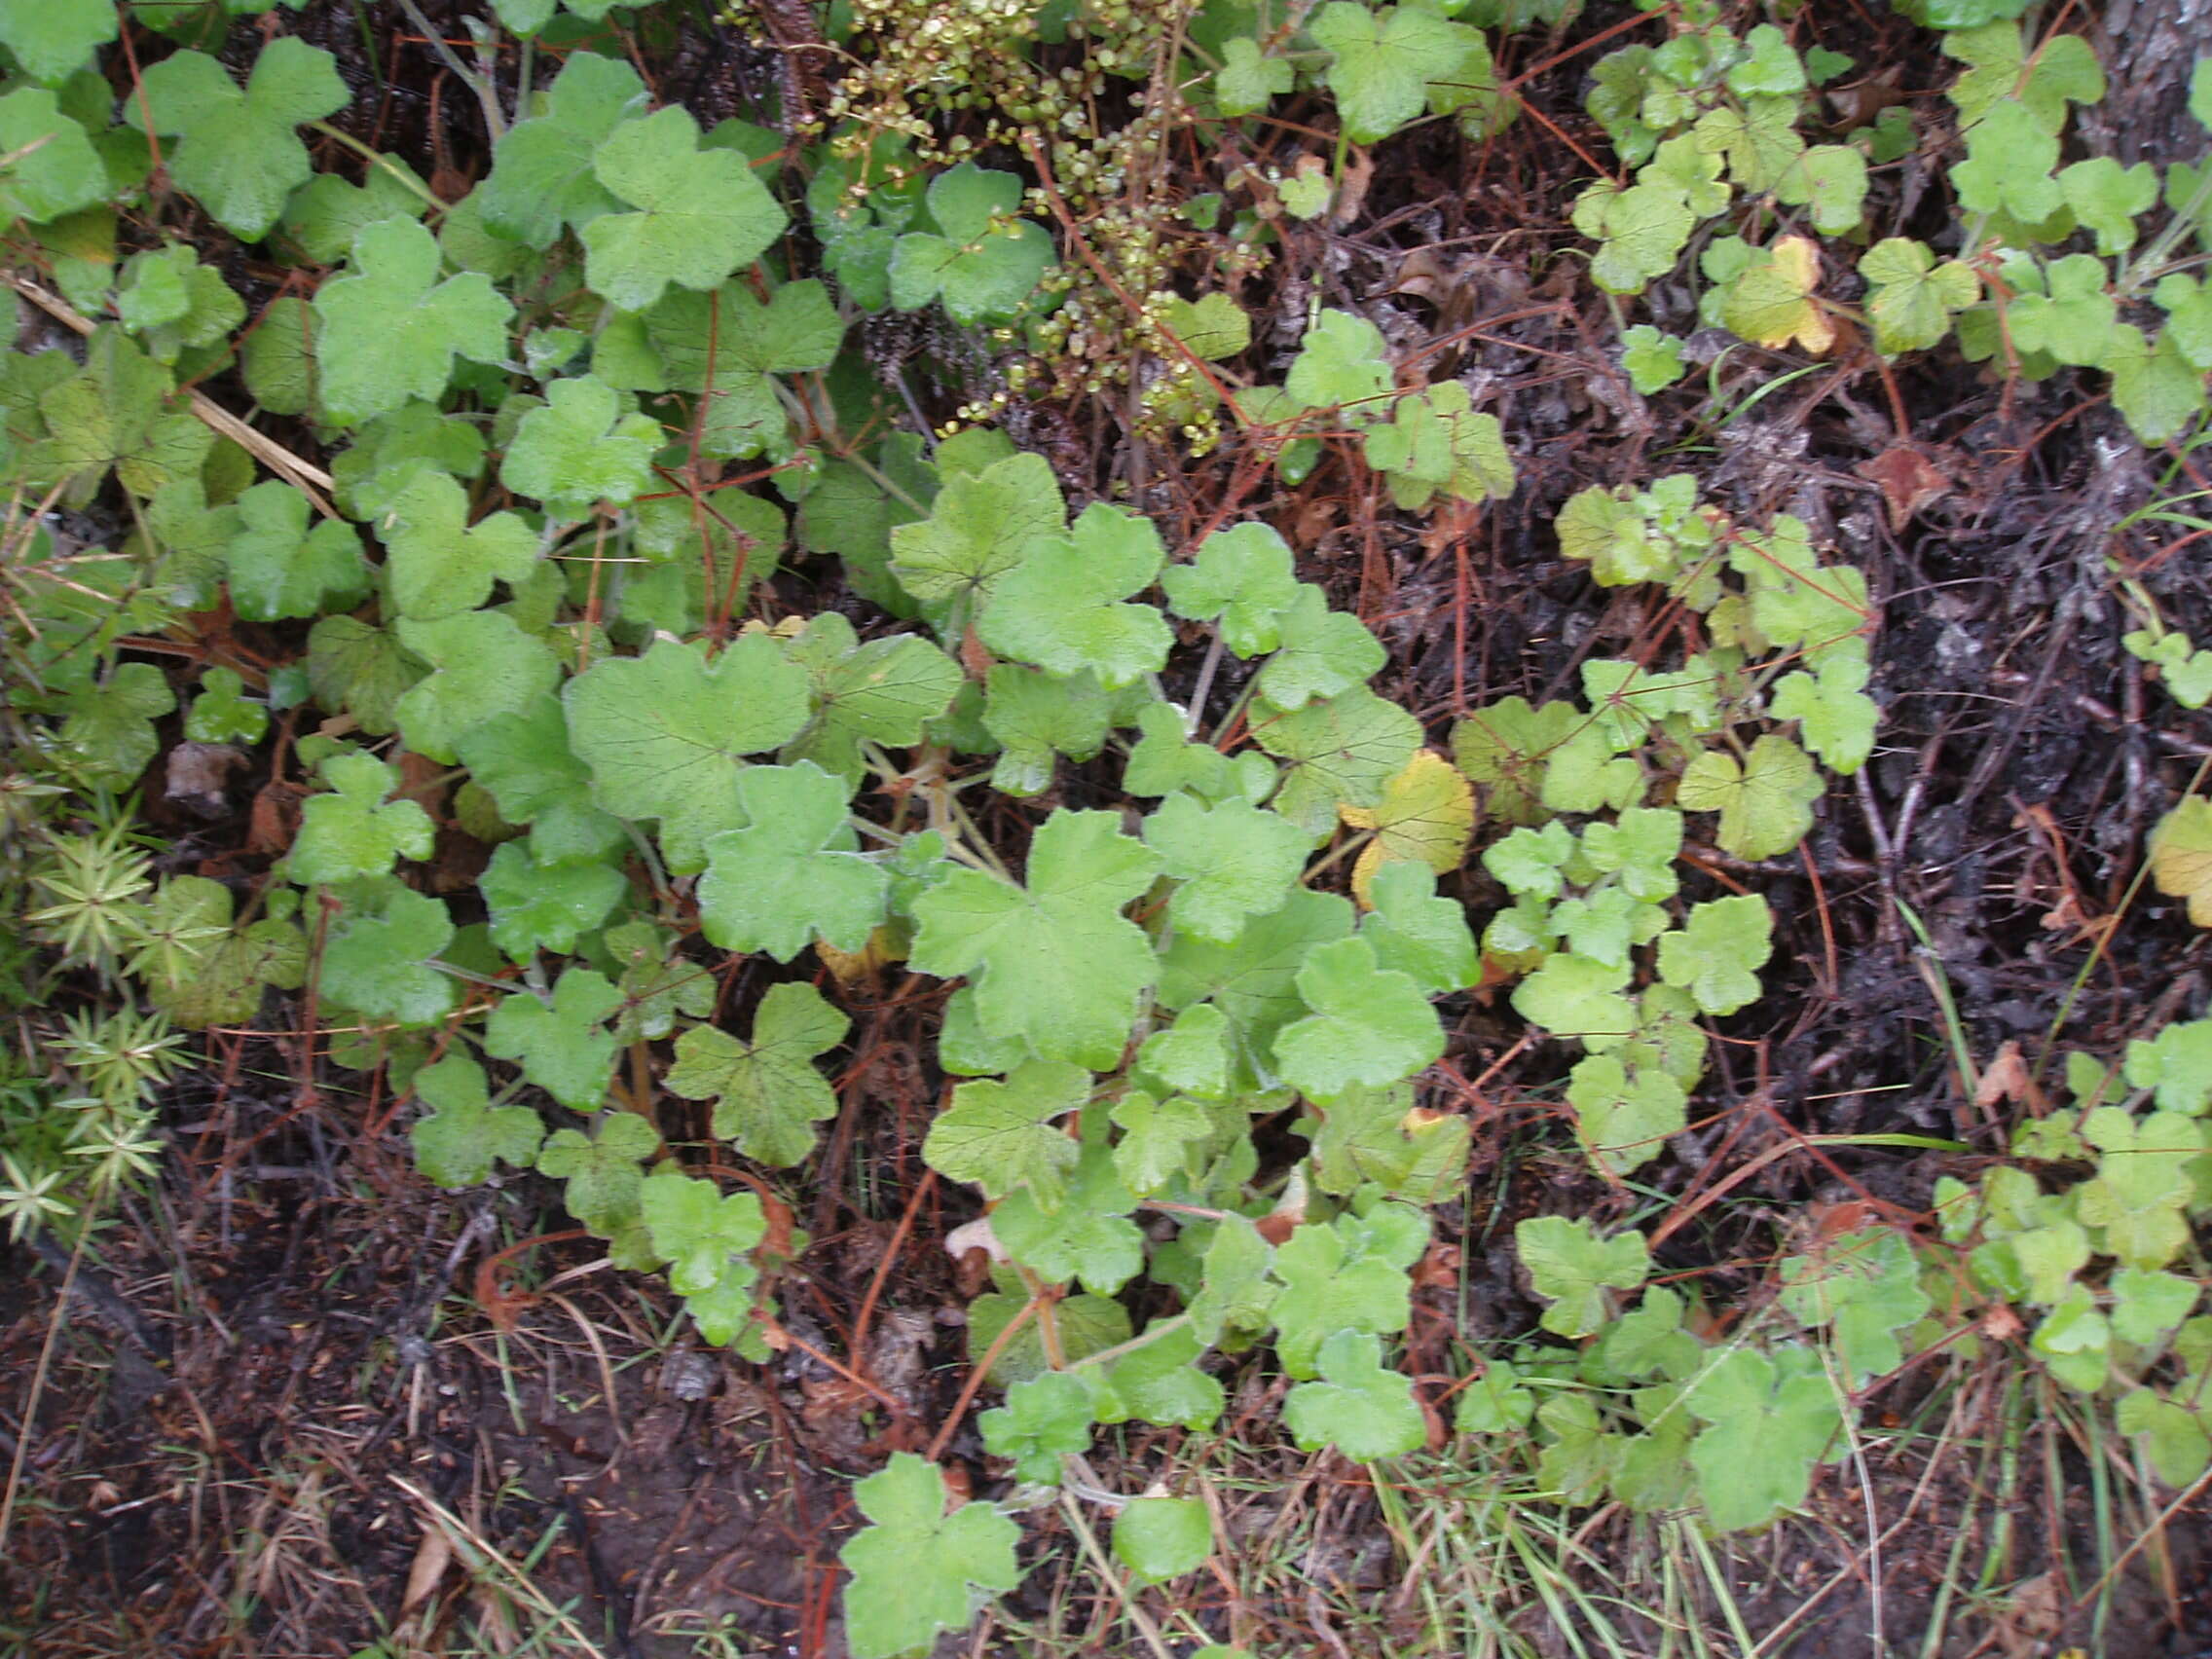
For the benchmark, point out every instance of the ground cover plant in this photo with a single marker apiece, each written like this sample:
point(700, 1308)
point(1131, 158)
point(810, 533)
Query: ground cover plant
point(1231, 808)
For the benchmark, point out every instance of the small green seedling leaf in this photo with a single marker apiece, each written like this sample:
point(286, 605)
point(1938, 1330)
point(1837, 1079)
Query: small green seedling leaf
point(1346, 1274)
point(545, 895)
point(1044, 1419)
point(2073, 322)
point(2107, 196)
point(1035, 718)
point(216, 977)
point(222, 713)
point(279, 568)
point(1338, 752)
point(1247, 82)
point(985, 262)
point(169, 299)
point(767, 1093)
point(1865, 1287)
point(1418, 934)
point(1505, 749)
point(1837, 718)
point(1159, 1538)
point(707, 1237)
point(1435, 444)
point(1764, 801)
point(2008, 169)
point(1242, 578)
point(1382, 65)
point(1641, 233)
point(1625, 1118)
point(1212, 327)
point(1653, 361)
point(1321, 652)
point(482, 663)
point(1573, 996)
point(1342, 362)
point(1768, 1421)
point(1717, 954)
point(603, 1181)
point(437, 562)
point(580, 447)
point(883, 691)
point(1494, 1402)
point(376, 959)
point(1160, 1383)
point(1911, 297)
point(1086, 1235)
point(980, 527)
point(2177, 1063)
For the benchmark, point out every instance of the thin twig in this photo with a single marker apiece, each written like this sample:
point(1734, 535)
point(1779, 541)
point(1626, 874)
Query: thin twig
point(38, 1386)
point(494, 123)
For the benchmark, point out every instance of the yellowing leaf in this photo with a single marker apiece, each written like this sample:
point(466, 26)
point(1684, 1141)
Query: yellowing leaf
point(1427, 812)
point(1772, 301)
point(2181, 857)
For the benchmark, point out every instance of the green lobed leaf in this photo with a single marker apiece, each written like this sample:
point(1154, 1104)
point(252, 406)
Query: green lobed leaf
point(234, 147)
point(1230, 862)
point(1571, 1268)
point(695, 214)
point(562, 1042)
point(580, 446)
point(389, 330)
point(662, 733)
point(1002, 1136)
point(1359, 1407)
point(917, 1568)
point(791, 875)
point(1242, 578)
point(1159, 1538)
point(766, 1090)
point(1348, 1274)
point(482, 666)
point(463, 1135)
point(542, 175)
point(1062, 608)
point(985, 263)
point(1370, 1025)
point(353, 831)
point(1053, 962)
